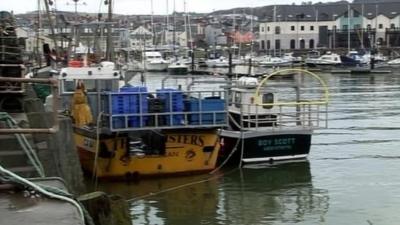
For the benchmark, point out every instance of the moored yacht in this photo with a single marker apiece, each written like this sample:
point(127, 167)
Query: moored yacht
point(155, 62)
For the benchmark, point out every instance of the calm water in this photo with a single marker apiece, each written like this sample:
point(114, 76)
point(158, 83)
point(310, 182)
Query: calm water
point(351, 176)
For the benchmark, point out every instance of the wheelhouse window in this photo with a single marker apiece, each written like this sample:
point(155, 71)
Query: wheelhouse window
point(238, 99)
point(268, 98)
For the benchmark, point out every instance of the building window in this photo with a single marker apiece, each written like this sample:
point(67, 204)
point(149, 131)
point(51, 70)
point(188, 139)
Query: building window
point(357, 26)
point(380, 26)
point(311, 27)
point(380, 41)
point(292, 28)
point(302, 28)
point(311, 43)
point(277, 44)
point(302, 44)
point(292, 44)
point(356, 14)
point(345, 27)
point(369, 27)
point(392, 26)
point(262, 29)
point(267, 28)
point(263, 45)
point(268, 44)
point(277, 30)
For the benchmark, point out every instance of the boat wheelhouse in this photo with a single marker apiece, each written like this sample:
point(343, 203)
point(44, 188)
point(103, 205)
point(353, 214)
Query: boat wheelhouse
point(274, 119)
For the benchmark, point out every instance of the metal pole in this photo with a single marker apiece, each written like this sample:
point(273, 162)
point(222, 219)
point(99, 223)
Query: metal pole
point(51, 26)
point(109, 33)
point(362, 26)
point(348, 28)
point(39, 25)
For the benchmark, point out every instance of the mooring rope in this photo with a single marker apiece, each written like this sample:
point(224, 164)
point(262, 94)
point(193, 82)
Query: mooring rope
point(20, 180)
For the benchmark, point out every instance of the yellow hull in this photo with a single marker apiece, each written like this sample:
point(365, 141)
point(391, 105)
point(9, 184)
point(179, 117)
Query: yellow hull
point(187, 151)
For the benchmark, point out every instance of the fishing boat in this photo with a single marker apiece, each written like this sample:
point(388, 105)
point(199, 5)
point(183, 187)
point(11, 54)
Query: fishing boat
point(273, 119)
point(129, 132)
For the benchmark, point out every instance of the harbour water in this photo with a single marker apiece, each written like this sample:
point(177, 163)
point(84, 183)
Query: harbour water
point(350, 177)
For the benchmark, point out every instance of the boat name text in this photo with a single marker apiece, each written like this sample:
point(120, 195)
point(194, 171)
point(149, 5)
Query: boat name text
point(186, 139)
point(276, 144)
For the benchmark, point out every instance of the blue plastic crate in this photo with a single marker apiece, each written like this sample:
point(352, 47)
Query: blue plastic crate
point(176, 120)
point(203, 108)
point(207, 118)
point(130, 88)
point(173, 99)
point(194, 105)
point(118, 122)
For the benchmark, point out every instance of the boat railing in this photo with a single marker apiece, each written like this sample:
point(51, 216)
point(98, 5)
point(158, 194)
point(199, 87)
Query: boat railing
point(302, 112)
point(163, 109)
point(305, 115)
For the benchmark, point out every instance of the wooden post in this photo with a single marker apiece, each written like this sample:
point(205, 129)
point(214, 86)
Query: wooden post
point(106, 210)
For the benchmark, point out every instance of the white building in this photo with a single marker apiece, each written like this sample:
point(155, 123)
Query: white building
point(330, 25)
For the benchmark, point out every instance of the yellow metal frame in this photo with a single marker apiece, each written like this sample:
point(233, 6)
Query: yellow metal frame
point(322, 101)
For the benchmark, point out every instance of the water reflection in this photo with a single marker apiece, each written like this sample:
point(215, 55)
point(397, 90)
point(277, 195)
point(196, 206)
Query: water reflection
point(275, 194)
point(260, 195)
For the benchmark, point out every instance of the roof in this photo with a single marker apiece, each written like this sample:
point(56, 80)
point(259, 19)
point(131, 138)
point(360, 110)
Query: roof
point(328, 11)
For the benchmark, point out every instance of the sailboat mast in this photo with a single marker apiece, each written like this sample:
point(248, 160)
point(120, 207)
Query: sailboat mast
point(362, 26)
point(39, 26)
point(109, 31)
point(51, 26)
point(348, 28)
point(185, 21)
point(167, 23)
point(274, 20)
point(152, 23)
point(174, 25)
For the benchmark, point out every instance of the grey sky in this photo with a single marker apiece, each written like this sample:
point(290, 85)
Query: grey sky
point(143, 6)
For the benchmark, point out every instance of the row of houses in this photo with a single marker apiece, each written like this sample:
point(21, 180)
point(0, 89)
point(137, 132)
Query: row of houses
point(334, 25)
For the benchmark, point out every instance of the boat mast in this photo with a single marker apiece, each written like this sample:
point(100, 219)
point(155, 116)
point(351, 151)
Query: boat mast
point(167, 24)
point(109, 31)
point(51, 25)
point(174, 31)
point(152, 23)
point(185, 22)
point(348, 28)
point(39, 26)
point(273, 36)
point(362, 30)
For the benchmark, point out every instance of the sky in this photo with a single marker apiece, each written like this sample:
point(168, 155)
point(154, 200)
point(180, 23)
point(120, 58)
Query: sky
point(131, 7)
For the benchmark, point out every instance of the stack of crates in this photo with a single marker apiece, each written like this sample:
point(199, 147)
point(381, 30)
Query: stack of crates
point(173, 99)
point(130, 100)
point(156, 105)
point(203, 111)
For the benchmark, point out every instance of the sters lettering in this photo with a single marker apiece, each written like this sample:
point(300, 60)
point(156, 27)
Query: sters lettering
point(186, 139)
